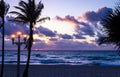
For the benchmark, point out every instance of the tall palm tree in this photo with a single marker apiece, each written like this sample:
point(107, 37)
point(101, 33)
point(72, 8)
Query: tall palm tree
point(30, 14)
point(3, 11)
point(111, 27)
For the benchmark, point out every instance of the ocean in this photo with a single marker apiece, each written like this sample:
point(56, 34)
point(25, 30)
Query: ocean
point(65, 57)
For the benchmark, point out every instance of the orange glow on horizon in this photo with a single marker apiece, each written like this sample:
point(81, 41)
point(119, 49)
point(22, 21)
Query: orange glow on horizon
point(43, 38)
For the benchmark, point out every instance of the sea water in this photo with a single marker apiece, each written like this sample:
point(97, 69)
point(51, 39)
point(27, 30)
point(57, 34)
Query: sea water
point(65, 57)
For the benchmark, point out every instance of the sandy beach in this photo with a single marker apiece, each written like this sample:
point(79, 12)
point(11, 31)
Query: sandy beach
point(65, 71)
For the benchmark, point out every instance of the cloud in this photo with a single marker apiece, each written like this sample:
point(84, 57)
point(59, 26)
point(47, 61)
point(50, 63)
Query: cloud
point(86, 29)
point(94, 16)
point(81, 28)
point(68, 44)
point(85, 25)
point(78, 36)
point(53, 39)
point(91, 16)
point(68, 18)
point(46, 31)
point(12, 28)
point(39, 44)
point(66, 36)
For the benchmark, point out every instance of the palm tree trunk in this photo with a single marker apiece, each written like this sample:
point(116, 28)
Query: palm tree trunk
point(25, 74)
point(2, 65)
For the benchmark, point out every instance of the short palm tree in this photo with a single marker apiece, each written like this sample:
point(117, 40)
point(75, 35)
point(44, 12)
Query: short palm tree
point(30, 14)
point(111, 27)
point(3, 11)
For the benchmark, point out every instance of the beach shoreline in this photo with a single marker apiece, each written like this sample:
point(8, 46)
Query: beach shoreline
point(64, 71)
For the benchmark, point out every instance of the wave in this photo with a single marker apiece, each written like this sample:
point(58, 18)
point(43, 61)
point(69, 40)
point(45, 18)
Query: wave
point(88, 58)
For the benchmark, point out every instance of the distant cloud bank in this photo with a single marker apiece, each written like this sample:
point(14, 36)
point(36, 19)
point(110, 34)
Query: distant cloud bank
point(85, 36)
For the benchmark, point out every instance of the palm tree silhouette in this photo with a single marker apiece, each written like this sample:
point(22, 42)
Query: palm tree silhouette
point(3, 11)
point(111, 27)
point(30, 14)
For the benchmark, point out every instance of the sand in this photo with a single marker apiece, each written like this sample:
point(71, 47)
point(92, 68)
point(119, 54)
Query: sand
point(65, 71)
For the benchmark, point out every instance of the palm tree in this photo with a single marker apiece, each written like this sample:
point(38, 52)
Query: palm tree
point(111, 27)
point(3, 11)
point(30, 14)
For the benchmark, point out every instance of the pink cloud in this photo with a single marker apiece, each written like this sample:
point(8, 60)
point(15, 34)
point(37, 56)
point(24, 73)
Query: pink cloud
point(69, 19)
point(67, 42)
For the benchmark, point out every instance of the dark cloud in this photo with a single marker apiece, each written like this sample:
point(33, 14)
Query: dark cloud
point(82, 28)
point(8, 45)
point(12, 28)
point(65, 44)
point(90, 28)
point(46, 31)
point(94, 16)
point(89, 24)
point(68, 44)
point(53, 39)
point(78, 36)
point(85, 30)
point(39, 44)
point(66, 36)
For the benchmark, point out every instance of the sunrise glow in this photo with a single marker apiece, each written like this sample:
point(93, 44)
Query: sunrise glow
point(72, 24)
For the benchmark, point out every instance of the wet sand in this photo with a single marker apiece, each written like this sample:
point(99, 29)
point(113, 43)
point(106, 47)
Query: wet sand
point(64, 71)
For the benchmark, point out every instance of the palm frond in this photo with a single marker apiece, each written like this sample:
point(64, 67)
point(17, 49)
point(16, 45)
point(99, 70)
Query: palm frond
point(16, 13)
point(21, 9)
point(18, 21)
point(23, 4)
point(103, 40)
point(23, 18)
point(40, 6)
point(43, 19)
point(111, 25)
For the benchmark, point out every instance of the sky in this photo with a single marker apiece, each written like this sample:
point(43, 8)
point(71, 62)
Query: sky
point(74, 25)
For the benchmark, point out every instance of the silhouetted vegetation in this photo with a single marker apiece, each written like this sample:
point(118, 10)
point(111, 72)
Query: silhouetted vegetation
point(3, 11)
point(29, 14)
point(111, 27)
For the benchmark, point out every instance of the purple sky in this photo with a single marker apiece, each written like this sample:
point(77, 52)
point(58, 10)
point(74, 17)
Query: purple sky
point(74, 25)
